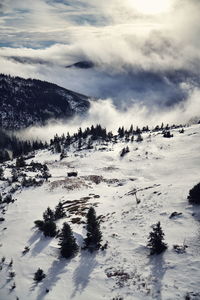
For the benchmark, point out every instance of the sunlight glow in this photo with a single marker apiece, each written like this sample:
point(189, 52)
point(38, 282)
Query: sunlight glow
point(151, 7)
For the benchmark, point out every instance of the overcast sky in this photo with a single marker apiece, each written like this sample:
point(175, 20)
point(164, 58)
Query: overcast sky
point(137, 46)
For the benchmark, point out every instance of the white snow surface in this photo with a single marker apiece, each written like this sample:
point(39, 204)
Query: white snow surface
point(162, 171)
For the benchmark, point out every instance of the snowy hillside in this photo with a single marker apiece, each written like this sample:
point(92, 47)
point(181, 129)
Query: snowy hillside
point(130, 194)
point(26, 102)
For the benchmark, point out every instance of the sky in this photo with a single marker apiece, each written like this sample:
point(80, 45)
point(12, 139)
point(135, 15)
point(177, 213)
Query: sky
point(144, 52)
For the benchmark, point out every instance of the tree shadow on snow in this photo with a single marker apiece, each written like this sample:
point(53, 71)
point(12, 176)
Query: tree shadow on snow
point(157, 269)
point(194, 240)
point(52, 276)
point(8, 280)
point(35, 236)
point(42, 242)
point(81, 276)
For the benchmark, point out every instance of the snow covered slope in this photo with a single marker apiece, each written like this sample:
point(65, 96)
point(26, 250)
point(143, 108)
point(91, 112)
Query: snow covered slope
point(26, 102)
point(158, 173)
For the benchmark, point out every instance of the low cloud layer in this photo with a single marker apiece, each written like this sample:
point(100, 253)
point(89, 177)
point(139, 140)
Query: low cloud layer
point(104, 112)
point(141, 59)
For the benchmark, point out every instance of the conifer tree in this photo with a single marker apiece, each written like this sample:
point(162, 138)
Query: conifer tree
point(46, 174)
point(48, 215)
point(49, 228)
point(59, 211)
point(94, 235)
point(57, 147)
point(14, 175)
point(139, 138)
point(79, 143)
point(156, 240)
point(67, 242)
point(194, 194)
point(20, 162)
point(1, 173)
point(39, 275)
point(89, 144)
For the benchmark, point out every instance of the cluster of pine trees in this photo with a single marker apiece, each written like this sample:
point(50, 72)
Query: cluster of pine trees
point(48, 225)
point(12, 147)
point(67, 242)
point(90, 134)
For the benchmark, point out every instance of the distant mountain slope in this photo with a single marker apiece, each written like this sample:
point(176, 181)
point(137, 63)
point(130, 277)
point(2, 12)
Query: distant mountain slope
point(26, 102)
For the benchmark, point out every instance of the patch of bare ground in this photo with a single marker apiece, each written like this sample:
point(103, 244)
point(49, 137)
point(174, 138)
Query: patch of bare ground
point(123, 278)
point(77, 209)
point(69, 184)
point(82, 182)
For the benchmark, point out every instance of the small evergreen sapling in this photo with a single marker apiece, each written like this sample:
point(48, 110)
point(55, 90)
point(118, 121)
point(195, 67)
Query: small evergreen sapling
point(12, 274)
point(94, 235)
point(155, 240)
point(67, 242)
point(139, 138)
point(13, 286)
point(39, 275)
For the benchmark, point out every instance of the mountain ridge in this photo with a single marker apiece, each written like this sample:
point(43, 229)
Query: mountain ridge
point(27, 102)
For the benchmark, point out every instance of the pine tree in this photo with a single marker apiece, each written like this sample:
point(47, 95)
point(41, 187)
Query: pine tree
point(79, 143)
point(14, 174)
point(39, 275)
point(49, 228)
point(20, 162)
point(57, 147)
point(46, 174)
point(67, 242)
point(155, 240)
point(1, 173)
point(94, 235)
point(48, 215)
point(139, 138)
point(59, 211)
point(194, 194)
point(89, 144)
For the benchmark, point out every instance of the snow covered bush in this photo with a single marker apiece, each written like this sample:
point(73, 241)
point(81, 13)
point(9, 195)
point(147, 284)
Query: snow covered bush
point(194, 194)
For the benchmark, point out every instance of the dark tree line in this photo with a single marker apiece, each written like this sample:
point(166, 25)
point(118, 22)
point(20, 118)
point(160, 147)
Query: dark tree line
point(67, 242)
point(15, 146)
point(83, 139)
